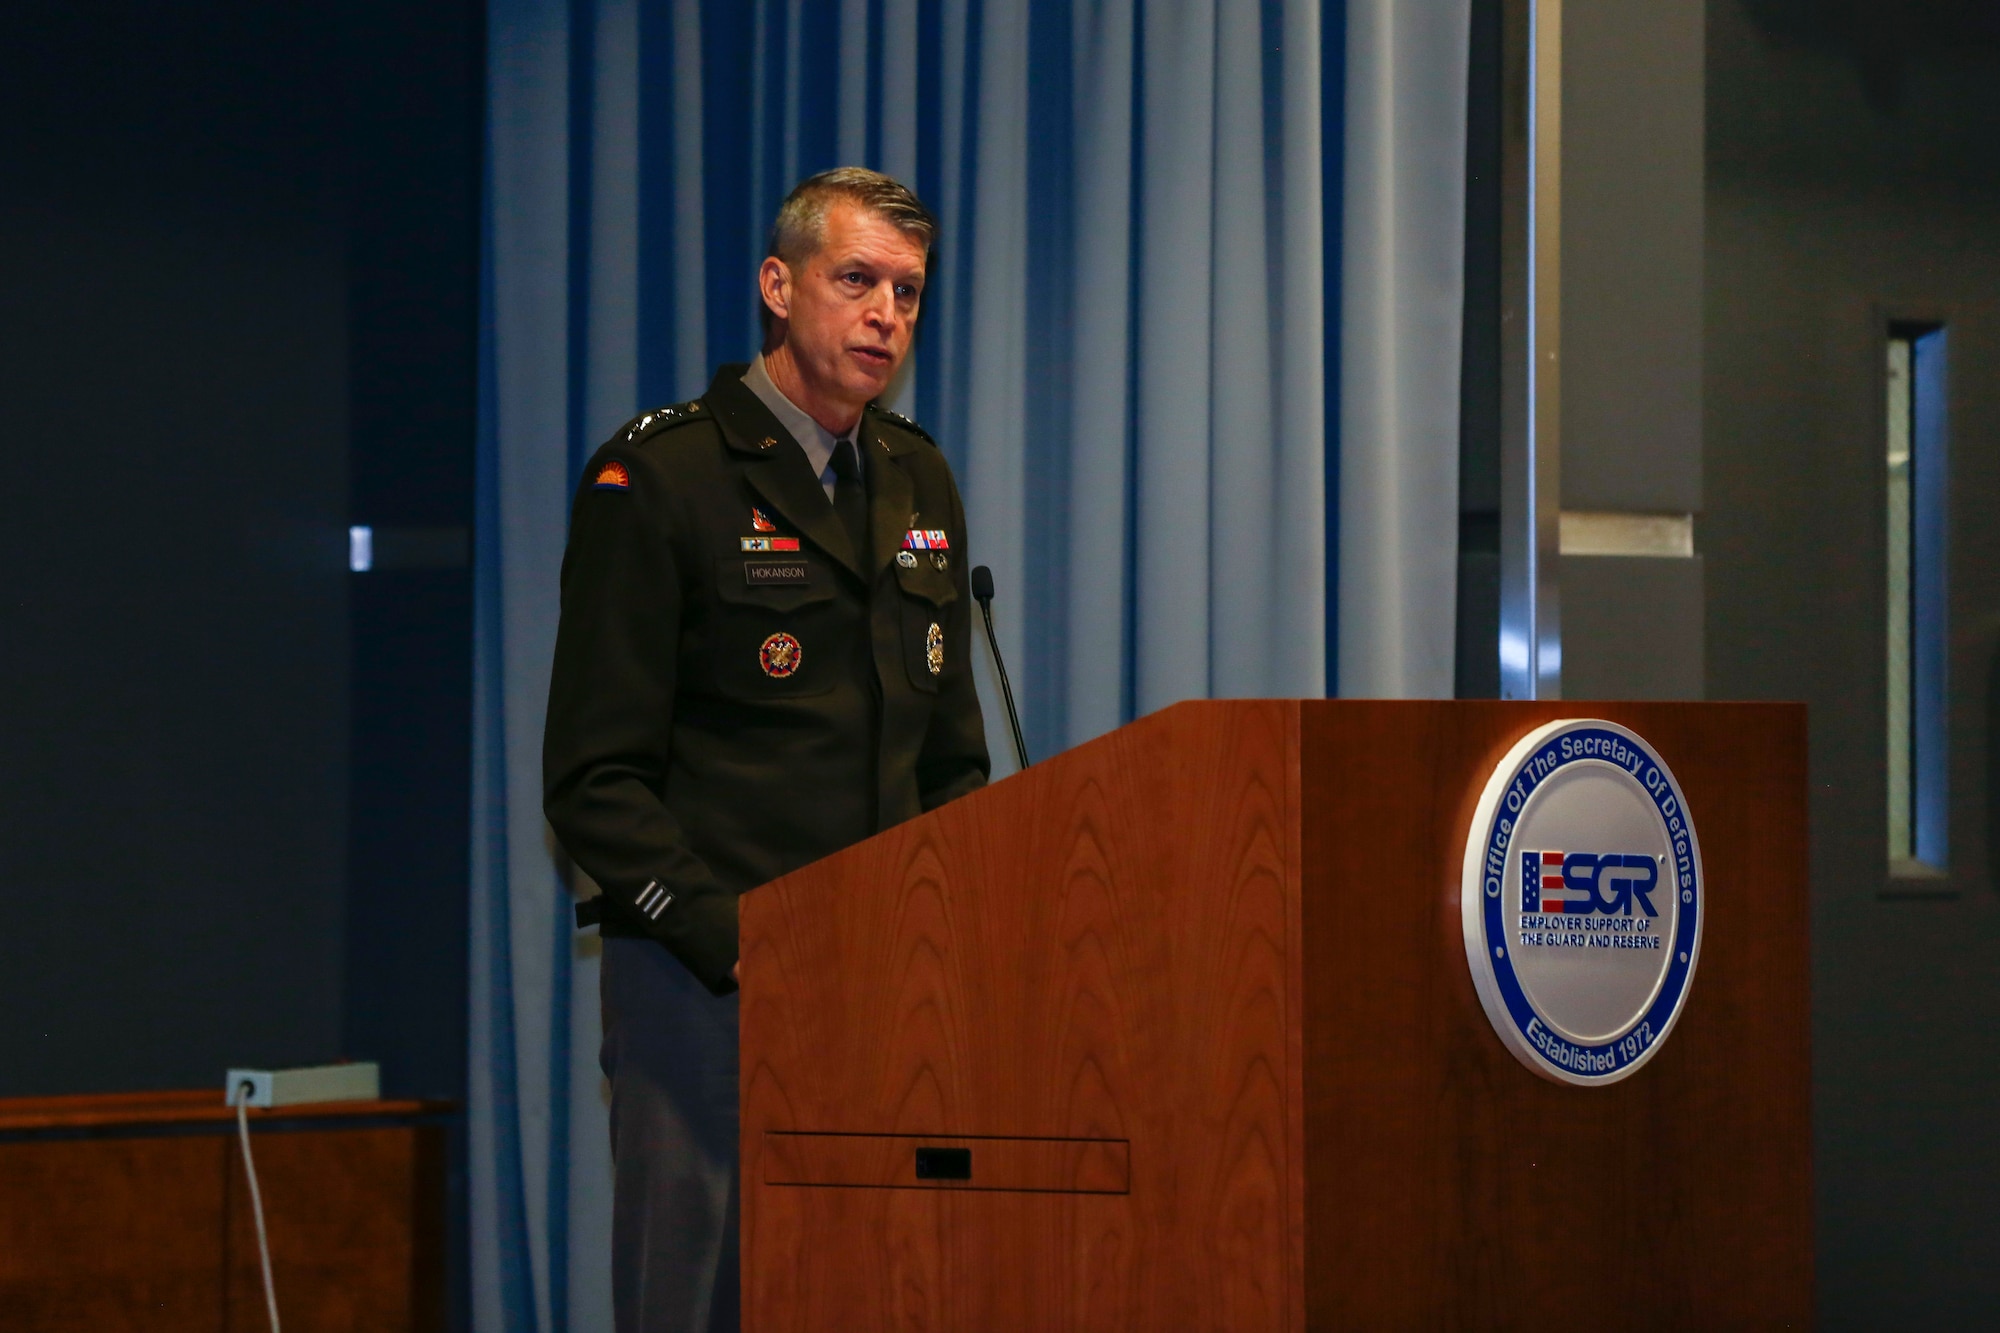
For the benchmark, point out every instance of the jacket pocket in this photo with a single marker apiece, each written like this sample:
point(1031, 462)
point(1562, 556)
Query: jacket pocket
point(780, 641)
point(926, 595)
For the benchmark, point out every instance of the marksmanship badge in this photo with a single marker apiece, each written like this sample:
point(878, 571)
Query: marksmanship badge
point(1582, 901)
point(780, 656)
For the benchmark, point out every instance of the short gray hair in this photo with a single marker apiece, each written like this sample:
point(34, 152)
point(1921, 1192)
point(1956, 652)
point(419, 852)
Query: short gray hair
point(800, 227)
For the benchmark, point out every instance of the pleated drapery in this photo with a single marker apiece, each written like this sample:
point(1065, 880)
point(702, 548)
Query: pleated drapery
point(1124, 351)
point(1402, 309)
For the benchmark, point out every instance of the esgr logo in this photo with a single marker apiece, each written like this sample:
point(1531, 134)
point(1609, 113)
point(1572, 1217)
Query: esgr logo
point(1582, 955)
point(1614, 883)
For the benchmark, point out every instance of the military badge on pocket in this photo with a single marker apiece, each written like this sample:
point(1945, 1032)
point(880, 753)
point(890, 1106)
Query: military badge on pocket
point(780, 656)
point(934, 648)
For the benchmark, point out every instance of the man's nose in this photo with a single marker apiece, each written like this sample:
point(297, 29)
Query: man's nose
point(882, 305)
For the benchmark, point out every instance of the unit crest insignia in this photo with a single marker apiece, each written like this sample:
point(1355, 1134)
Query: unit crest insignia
point(780, 656)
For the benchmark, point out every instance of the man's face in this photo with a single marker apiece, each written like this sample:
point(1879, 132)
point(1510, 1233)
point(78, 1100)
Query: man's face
point(851, 308)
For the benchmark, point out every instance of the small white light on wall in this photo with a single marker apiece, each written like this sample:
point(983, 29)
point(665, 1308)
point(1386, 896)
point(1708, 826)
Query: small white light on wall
point(361, 548)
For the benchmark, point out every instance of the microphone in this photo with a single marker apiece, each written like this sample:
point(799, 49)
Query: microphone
point(982, 592)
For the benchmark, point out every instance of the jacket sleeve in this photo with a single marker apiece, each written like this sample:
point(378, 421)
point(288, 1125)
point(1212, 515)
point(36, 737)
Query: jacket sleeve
point(610, 719)
point(953, 760)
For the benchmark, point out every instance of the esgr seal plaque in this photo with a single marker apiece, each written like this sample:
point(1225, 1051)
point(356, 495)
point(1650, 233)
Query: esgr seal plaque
point(1582, 901)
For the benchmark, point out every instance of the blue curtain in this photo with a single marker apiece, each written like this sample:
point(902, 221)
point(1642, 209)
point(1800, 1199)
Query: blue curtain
point(1401, 311)
point(1124, 352)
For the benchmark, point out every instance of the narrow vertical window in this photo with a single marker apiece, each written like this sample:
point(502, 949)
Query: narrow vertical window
point(1916, 491)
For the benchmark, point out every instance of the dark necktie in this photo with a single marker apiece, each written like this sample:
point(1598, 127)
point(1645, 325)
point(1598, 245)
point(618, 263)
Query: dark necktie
point(850, 497)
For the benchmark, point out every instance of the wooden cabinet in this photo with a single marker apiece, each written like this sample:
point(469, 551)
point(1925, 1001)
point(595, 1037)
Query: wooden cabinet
point(131, 1211)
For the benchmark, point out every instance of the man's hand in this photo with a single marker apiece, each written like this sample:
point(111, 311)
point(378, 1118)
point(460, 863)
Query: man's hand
point(735, 971)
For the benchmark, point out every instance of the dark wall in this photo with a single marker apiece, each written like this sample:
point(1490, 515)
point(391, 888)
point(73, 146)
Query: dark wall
point(1631, 352)
point(1854, 174)
point(1631, 262)
point(416, 114)
point(238, 239)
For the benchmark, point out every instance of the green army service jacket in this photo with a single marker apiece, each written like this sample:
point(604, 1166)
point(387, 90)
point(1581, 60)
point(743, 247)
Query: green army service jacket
point(736, 692)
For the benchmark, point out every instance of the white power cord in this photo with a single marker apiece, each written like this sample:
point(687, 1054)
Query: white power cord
point(256, 1199)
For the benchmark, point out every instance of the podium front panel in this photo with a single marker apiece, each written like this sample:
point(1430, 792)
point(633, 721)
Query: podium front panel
point(1175, 1031)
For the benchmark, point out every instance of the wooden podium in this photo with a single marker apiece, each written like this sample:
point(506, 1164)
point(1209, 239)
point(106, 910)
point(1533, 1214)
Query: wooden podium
point(1176, 1031)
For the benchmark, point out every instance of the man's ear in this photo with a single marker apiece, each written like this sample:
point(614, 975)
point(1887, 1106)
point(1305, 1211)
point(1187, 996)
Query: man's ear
point(774, 284)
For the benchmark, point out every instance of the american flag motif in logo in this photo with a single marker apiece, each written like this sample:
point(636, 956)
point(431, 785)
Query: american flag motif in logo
point(1543, 888)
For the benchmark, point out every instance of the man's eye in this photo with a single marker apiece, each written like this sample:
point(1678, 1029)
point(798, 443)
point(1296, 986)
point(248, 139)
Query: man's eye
point(854, 278)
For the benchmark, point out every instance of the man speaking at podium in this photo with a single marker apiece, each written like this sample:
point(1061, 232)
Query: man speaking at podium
point(763, 657)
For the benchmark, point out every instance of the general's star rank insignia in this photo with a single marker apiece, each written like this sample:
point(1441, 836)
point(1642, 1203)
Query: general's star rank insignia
point(934, 649)
point(612, 477)
point(761, 521)
point(780, 656)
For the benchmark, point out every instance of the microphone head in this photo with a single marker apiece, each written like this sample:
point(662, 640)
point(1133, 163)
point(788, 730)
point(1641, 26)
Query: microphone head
point(982, 583)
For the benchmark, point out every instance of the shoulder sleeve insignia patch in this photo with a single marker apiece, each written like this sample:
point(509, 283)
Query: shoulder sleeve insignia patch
point(612, 477)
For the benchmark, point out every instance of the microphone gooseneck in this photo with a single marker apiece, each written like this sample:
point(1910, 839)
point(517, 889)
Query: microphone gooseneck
point(982, 592)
